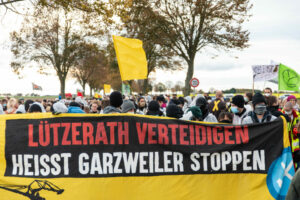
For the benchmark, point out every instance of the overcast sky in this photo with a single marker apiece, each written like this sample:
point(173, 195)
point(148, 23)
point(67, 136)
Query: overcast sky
point(274, 35)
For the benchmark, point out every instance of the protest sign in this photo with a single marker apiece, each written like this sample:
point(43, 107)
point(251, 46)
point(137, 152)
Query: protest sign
point(123, 156)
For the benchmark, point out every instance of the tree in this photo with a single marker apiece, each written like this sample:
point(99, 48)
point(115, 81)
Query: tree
point(187, 26)
point(138, 22)
point(49, 39)
point(160, 87)
point(169, 84)
point(7, 2)
point(83, 5)
point(91, 60)
point(178, 86)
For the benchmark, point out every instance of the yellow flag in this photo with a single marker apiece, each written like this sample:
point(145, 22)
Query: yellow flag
point(131, 58)
point(96, 95)
point(106, 89)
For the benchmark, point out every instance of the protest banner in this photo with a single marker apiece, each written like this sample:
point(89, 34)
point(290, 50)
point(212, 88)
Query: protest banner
point(264, 72)
point(131, 58)
point(126, 89)
point(107, 89)
point(130, 157)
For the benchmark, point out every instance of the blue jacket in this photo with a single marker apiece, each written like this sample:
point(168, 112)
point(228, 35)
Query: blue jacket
point(74, 109)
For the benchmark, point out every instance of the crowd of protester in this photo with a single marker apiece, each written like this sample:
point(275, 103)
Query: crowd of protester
point(241, 109)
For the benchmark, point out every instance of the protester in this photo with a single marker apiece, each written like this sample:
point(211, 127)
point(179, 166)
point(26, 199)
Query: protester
point(197, 114)
point(116, 100)
point(86, 109)
point(141, 106)
point(94, 108)
point(293, 100)
point(181, 102)
point(48, 108)
point(162, 103)
point(27, 104)
point(273, 107)
point(59, 107)
point(294, 189)
point(128, 107)
point(268, 92)
point(4, 104)
point(154, 109)
point(75, 108)
point(248, 100)
point(201, 102)
point(207, 116)
point(238, 109)
point(225, 117)
point(21, 109)
point(218, 105)
point(1, 110)
point(105, 103)
point(12, 106)
point(259, 113)
point(41, 106)
point(175, 101)
point(35, 108)
point(44, 103)
point(187, 103)
point(294, 120)
point(174, 111)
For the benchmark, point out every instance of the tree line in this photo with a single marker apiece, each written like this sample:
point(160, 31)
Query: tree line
point(73, 37)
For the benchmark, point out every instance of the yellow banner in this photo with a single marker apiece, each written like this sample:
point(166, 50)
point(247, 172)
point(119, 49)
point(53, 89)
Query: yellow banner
point(131, 58)
point(107, 89)
point(133, 157)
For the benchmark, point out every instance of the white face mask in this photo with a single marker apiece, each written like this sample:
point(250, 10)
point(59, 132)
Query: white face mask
point(209, 101)
point(267, 94)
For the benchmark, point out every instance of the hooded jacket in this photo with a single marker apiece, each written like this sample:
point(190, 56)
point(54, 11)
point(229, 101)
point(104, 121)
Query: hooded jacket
point(75, 109)
point(111, 109)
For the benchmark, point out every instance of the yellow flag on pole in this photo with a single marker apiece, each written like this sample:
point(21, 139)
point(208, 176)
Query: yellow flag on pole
point(131, 58)
point(106, 89)
point(97, 96)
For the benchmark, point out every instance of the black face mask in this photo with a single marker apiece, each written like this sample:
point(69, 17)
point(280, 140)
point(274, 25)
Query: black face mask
point(226, 122)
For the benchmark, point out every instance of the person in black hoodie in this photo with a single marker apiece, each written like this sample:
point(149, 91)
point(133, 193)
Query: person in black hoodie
point(259, 113)
point(174, 111)
point(273, 108)
point(154, 109)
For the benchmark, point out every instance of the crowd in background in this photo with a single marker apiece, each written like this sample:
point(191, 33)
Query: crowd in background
point(238, 110)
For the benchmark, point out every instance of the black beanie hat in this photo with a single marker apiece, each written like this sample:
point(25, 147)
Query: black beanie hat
point(258, 98)
point(116, 99)
point(153, 106)
point(174, 111)
point(35, 108)
point(239, 101)
point(181, 100)
point(160, 98)
point(27, 104)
